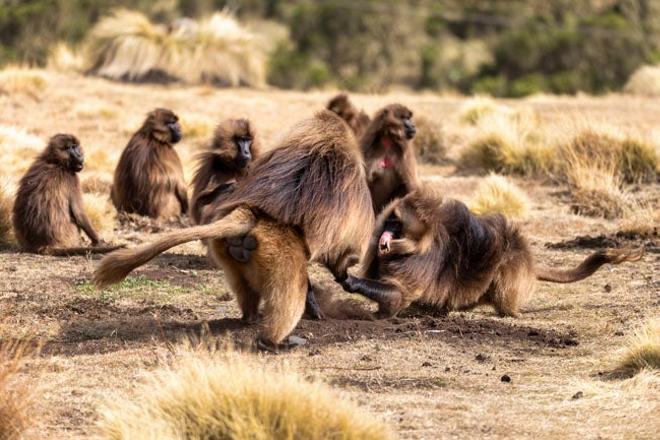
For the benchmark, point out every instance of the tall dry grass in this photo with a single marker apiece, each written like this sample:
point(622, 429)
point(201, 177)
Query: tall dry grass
point(19, 148)
point(102, 214)
point(498, 194)
point(6, 204)
point(429, 142)
point(642, 349)
point(128, 46)
point(207, 395)
point(22, 80)
point(16, 395)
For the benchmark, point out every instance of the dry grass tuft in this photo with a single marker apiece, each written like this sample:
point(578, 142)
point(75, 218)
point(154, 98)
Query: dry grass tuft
point(640, 219)
point(100, 211)
point(127, 46)
point(16, 396)
point(6, 204)
point(508, 145)
point(96, 182)
point(645, 81)
point(429, 142)
point(229, 395)
point(62, 58)
point(643, 349)
point(19, 148)
point(22, 80)
point(196, 126)
point(474, 109)
point(498, 194)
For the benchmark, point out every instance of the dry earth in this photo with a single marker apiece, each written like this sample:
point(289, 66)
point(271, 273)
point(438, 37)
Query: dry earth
point(430, 377)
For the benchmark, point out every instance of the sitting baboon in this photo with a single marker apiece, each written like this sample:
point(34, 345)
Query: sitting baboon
point(357, 119)
point(438, 253)
point(149, 177)
point(233, 148)
point(389, 156)
point(305, 199)
point(48, 213)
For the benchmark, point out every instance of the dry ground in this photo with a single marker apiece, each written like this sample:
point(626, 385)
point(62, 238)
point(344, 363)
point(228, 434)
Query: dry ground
point(430, 377)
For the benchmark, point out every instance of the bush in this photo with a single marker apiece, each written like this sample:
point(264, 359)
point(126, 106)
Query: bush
point(231, 396)
point(498, 194)
point(642, 350)
point(429, 142)
point(644, 82)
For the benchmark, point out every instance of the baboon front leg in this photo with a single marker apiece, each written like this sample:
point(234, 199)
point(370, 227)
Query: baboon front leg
point(312, 308)
point(387, 296)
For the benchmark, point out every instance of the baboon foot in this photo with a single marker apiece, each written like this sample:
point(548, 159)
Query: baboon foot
point(287, 344)
point(312, 308)
point(250, 318)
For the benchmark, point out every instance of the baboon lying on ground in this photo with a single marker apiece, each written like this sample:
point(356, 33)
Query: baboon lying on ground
point(149, 177)
point(48, 212)
point(233, 148)
point(306, 199)
point(357, 119)
point(439, 253)
point(388, 155)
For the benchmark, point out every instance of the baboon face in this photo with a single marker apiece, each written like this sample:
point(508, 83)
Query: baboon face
point(164, 126)
point(397, 124)
point(234, 140)
point(64, 150)
point(404, 221)
point(404, 115)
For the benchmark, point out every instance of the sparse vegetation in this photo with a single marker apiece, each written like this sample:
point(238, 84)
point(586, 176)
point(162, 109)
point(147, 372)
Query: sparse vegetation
point(642, 350)
point(474, 109)
point(498, 194)
point(429, 142)
point(19, 148)
point(100, 211)
point(128, 46)
point(23, 80)
point(214, 395)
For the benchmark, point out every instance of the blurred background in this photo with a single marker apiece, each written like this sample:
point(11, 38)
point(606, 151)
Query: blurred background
point(504, 48)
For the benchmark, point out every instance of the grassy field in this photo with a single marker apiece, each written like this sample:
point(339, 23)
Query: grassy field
point(426, 376)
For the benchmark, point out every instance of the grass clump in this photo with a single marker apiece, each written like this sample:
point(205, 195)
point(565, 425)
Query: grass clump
point(16, 395)
point(645, 81)
point(233, 396)
point(22, 80)
point(128, 46)
point(100, 211)
point(475, 109)
point(63, 58)
point(509, 145)
point(497, 194)
point(19, 148)
point(642, 350)
point(429, 142)
point(6, 204)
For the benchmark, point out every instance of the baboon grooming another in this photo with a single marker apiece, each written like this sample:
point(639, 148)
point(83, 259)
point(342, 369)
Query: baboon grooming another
point(149, 177)
point(439, 253)
point(232, 149)
point(48, 212)
point(388, 155)
point(305, 199)
point(357, 119)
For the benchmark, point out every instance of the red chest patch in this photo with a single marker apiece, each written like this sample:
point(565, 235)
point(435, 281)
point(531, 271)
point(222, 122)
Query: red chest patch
point(386, 162)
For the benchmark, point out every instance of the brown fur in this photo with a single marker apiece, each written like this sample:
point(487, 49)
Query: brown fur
point(48, 212)
point(357, 119)
point(149, 177)
point(385, 139)
point(447, 257)
point(219, 167)
point(305, 199)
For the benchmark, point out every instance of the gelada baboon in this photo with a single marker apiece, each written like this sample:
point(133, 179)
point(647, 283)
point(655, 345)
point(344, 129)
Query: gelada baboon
point(388, 155)
point(149, 177)
point(233, 148)
point(48, 212)
point(357, 119)
point(439, 253)
point(305, 199)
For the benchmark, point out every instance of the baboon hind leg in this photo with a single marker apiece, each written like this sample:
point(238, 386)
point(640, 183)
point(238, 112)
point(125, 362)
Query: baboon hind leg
point(284, 305)
point(510, 289)
point(248, 300)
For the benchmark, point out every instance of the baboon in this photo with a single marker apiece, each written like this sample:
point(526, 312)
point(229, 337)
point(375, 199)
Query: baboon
point(149, 177)
point(233, 148)
point(357, 119)
point(438, 253)
point(306, 199)
point(388, 155)
point(48, 212)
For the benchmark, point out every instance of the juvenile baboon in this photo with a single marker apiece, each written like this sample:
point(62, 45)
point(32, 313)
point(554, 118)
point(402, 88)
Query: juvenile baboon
point(48, 212)
point(149, 177)
point(388, 155)
point(232, 149)
point(439, 253)
point(357, 119)
point(305, 199)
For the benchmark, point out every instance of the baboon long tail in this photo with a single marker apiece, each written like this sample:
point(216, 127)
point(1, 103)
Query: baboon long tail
point(118, 264)
point(590, 265)
point(89, 250)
